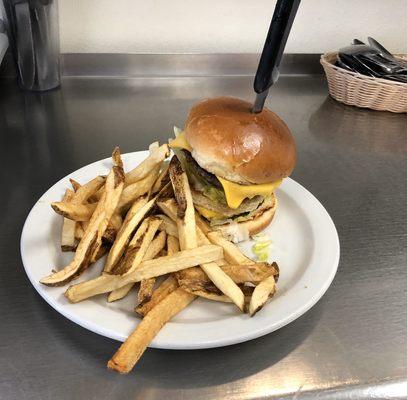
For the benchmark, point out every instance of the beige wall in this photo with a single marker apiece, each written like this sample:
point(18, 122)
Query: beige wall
point(207, 26)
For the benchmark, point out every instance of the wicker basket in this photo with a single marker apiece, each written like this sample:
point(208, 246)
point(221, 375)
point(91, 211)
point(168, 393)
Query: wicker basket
point(363, 91)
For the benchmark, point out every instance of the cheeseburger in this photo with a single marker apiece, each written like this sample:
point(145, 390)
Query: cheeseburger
point(235, 160)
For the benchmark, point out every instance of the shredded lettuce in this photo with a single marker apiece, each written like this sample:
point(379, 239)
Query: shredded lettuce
point(261, 247)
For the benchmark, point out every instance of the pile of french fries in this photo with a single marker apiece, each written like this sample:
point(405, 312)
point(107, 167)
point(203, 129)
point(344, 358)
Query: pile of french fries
point(145, 221)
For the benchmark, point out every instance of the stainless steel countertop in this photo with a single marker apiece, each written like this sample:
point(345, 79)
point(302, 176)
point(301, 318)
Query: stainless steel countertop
point(352, 344)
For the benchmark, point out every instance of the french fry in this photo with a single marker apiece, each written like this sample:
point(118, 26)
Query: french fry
point(156, 157)
point(207, 295)
point(116, 221)
point(135, 345)
point(145, 245)
point(156, 246)
point(134, 216)
point(88, 190)
point(137, 247)
point(162, 180)
point(68, 239)
point(75, 212)
point(166, 287)
point(232, 253)
point(88, 247)
point(261, 294)
point(185, 207)
point(172, 245)
point(117, 157)
point(147, 269)
point(253, 273)
point(79, 231)
point(168, 225)
point(137, 189)
point(113, 188)
point(147, 285)
point(218, 296)
point(75, 185)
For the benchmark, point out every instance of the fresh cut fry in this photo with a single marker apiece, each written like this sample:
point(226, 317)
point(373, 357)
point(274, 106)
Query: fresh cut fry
point(113, 189)
point(135, 345)
point(75, 185)
point(147, 285)
point(134, 216)
point(141, 252)
point(68, 238)
point(156, 157)
point(232, 253)
point(137, 189)
point(261, 294)
point(166, 287)
point(168, 225)
point(75, 212)
point(88, 190)
point(117, 157)
point(147, 269)
point(162, 179)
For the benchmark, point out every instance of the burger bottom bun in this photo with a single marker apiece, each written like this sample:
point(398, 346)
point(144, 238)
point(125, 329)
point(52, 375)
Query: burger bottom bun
point(249, 228)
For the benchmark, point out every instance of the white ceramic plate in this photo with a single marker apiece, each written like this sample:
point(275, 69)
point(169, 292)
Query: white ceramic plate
point(305, 245)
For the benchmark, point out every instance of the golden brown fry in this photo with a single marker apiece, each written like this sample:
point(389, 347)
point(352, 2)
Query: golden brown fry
point(137, 189)
point(113, 189)
point(156, 245)
point(133, 348)
point(232, 253)
point(75, 212)
point(218, 296)
point(136, 247)
point(161, 181)
point(91, 242)
point(169, 208)
point(79, 230)
point(168, 225)
point(117, 157)
point(172, 245)
point(147, 269)
point(116, 221)
point(68, 238)
point(75, 185)
point(147, 285)
point(261, 294)
point(253, 273)
point(207, 295)
point(141, 252)
point(134, 216)
point(167, 287)
point(156, 157)
point(88, 190)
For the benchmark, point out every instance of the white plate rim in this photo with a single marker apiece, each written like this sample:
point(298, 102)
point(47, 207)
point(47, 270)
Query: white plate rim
point(261, 329)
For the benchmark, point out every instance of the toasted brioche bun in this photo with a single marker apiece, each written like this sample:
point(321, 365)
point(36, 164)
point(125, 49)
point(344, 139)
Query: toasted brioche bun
point(252, 227)
point(231, 142)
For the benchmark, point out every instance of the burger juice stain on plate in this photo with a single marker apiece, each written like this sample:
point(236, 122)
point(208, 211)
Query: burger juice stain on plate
point(304, 244)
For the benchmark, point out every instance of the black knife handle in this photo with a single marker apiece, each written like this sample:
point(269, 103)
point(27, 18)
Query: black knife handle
point(280, 26)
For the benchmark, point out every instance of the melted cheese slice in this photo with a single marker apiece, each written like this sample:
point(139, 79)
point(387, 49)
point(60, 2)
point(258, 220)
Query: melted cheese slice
point(180, 142)
point(236, 193)
point(208, 214)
